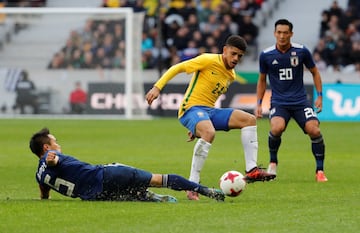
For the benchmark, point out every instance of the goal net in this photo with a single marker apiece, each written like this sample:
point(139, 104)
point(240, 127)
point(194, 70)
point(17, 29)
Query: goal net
point(100, 48)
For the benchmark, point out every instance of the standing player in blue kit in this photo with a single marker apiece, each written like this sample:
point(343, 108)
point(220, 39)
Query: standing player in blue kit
point(284, 64)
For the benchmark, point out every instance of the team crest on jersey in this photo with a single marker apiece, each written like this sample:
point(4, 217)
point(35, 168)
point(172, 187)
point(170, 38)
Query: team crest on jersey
point(294, 61)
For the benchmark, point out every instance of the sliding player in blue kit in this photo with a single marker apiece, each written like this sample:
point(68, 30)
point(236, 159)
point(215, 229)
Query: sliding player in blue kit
point(115, 182)
point(284, 64)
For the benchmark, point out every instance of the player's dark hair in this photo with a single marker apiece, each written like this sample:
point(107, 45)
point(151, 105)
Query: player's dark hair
point(38, 140)
point(284, 22)
point(236, 41)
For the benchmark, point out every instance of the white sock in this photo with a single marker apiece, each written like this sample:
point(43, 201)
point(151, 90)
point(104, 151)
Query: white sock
point(250, 144)
point(201, 150)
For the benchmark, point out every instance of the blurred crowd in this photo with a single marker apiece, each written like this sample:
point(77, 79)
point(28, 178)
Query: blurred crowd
point(176, 30)
point(338, 48)
point(173, 31)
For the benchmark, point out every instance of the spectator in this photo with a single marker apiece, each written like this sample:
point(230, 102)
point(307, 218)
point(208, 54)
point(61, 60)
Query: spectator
point(352, 32)
point(118, 61)
point(146, 43)
point(78, 99)
point(76, 59)
point(58, 61)
point(335, 9)
point(249, 31)
point(319, 62)
point(88, 61)
point(324, 24)
point(204, 11)
point(187, 10)
point(355, 53)
point(210, 25)
point(25, 94)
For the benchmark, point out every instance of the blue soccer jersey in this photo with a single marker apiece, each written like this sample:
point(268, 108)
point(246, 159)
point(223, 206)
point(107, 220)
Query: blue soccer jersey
point(285, 72)
point(71, 177)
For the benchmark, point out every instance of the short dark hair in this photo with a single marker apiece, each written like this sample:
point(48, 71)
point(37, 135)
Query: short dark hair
point(38, 140)
point(284, 22)
point(236, 41)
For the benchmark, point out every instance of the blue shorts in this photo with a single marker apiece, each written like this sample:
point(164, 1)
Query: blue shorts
point(219, 117)
point(300, 113)
point(125, 183)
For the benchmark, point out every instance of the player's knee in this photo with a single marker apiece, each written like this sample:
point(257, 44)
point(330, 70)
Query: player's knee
point(314, 132)
point(251, 120)
point(208, 135)
point(156, 180)
point(277, 130)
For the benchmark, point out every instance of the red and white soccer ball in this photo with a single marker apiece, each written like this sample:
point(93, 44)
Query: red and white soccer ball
point(232, 183)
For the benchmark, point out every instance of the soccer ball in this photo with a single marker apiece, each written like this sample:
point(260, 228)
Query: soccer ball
point(232, 183)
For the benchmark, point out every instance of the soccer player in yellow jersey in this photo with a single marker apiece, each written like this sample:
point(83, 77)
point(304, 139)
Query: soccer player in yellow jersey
point(212, 75)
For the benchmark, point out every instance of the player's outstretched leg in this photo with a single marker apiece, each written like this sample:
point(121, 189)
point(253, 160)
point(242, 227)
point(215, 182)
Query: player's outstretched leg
point(179, 183)
point(213, 193)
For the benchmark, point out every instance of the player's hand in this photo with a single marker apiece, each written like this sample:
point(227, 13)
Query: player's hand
point(51, 158)
point(258, 111)
point(191, 137)
point(318, 104)
point(152, 95)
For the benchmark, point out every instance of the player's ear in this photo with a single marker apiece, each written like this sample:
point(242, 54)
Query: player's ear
point(46, 147)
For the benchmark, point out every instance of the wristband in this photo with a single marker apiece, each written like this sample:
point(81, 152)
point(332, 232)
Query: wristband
point(319, 93)
point(259, 102)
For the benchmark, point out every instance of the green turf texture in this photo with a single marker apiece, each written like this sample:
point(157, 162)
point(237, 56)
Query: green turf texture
point(292, 203)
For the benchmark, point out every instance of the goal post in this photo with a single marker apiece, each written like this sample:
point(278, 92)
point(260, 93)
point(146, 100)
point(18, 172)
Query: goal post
point(37, 55)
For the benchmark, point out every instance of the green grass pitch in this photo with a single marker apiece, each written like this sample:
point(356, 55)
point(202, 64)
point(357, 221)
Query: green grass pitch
point(292, 203)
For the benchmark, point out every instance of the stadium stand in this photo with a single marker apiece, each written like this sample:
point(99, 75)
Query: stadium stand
point(187, 28)
point(190, 27)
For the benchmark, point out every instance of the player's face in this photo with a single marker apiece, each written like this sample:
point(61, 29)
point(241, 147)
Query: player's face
point(53, 144)
point(232, 56)
point(283, 35)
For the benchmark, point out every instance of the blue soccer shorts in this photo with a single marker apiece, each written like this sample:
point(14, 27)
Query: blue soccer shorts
point(300, 113)
point(219, 117)
point(122, 182)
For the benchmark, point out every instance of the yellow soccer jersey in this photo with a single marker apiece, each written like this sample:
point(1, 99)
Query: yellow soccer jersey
point(210, 80)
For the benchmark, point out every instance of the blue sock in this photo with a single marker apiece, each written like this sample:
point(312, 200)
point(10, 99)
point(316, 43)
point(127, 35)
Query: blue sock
point(318, 150)
point(179, 183)
point(274, 144)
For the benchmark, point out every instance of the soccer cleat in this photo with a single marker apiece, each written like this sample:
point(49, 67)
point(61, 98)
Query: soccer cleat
point(216, 194)
point(272, 168)
point(320, 176)
point(194, 196)
point(154, 197)
point(258, 174)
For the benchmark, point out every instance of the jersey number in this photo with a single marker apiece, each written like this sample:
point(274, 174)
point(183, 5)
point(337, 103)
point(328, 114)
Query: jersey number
point(285, 74)
point(309, 112)
point(58, 181)
point(219, 90)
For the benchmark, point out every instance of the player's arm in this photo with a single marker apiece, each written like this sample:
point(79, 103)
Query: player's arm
point(318, 86)
point(165, 78)
point(260, 91)
point(44, 192)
